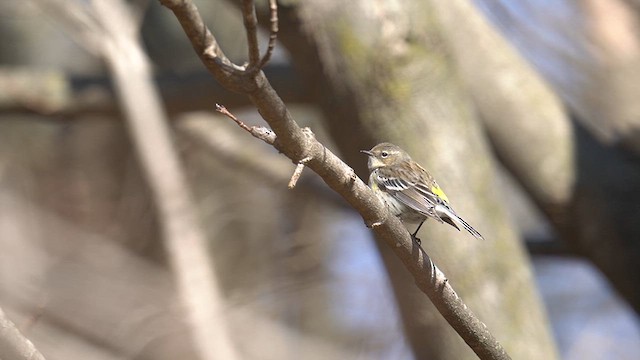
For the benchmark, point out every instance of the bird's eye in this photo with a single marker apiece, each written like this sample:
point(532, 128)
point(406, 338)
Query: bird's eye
point(384, 154)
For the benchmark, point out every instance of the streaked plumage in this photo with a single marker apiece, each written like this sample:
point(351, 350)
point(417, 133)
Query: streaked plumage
point(410, 192)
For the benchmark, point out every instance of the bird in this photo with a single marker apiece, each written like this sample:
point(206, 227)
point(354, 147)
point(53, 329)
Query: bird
point(410, 192)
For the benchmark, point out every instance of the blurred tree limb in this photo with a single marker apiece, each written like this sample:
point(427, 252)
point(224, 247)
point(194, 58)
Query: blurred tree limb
point(56, 94)
point(587, 190)
point(298, 144)
point(13, 345)
point(109, 29)
point(123, 304)
point(592, 59)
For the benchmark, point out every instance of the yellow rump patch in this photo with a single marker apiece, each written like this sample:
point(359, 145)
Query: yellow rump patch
point(436, 190)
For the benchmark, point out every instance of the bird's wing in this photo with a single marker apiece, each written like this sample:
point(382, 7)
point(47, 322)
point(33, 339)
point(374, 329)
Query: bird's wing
point(410, 194)
point(427, 199)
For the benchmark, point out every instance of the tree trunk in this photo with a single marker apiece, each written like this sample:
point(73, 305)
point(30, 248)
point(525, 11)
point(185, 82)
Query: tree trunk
point(589, 191)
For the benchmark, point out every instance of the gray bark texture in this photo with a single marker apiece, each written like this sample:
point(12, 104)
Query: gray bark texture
point(587, 189)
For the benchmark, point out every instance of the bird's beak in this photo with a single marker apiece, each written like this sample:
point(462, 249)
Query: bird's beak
point(368, 152)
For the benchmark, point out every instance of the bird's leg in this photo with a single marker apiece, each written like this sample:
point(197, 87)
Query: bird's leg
point(414, 237)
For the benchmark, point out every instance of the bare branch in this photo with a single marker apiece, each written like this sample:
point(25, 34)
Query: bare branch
point(205, 45)
point(251, 29)
point(297, 173)
point(223, 110)
point(273, 32)
point(258, 132)
point(296, 144)
point(13, 345)
point(233, 148)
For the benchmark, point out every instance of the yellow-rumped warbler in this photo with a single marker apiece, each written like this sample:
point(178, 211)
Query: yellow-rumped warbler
point(410, 192)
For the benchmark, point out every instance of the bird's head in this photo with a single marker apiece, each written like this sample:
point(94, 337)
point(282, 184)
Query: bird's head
point(384, 154)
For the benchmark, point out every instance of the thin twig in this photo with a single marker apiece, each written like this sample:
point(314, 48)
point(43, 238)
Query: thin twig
point(251, 29)
point(259, 132)
point(297, 172)
point(223, 110)
point(234, 149)
point(273, 32)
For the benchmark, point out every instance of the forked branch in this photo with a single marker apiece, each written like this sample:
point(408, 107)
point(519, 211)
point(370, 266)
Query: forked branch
point(298, 144)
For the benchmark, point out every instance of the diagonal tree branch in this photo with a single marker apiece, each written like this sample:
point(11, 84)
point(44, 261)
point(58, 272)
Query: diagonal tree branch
point(297, 144)
point(13, 345)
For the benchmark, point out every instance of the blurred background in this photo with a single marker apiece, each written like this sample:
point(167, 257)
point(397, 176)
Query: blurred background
point(527, 113)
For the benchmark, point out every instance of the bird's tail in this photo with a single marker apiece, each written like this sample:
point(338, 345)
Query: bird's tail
point(450, 217)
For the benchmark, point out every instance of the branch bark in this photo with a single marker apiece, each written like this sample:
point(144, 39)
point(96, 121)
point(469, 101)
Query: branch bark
point(297, 144)
point(13, 345)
